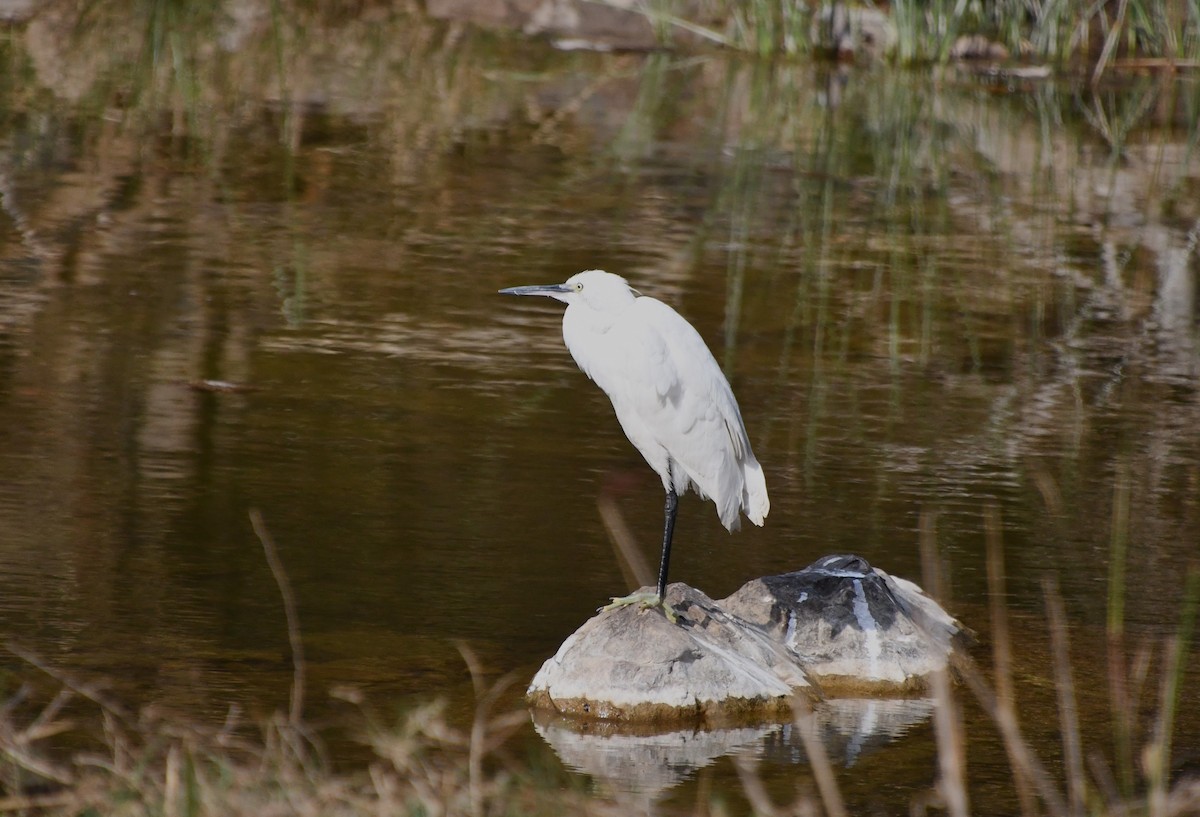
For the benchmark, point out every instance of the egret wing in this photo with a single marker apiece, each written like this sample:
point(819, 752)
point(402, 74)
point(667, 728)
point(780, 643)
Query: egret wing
point(686, 403)
point(673, 402)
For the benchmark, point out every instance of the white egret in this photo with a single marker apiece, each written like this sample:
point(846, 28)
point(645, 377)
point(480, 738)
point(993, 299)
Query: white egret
point(670, 396)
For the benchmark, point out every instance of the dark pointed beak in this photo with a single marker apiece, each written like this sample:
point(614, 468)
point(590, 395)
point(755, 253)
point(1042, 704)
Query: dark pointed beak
point(549, 290)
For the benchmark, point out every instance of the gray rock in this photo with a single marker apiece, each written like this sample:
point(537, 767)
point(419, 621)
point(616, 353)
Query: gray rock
point(977, 47)
point(837, 628)
point(611, 24)
point(855, 629)
point(849, 32)
point(634, 665)
point(616, 23)
point(17, 11)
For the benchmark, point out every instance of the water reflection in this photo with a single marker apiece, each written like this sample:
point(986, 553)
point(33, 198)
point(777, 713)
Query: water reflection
point(928, 293)
point(650, 765)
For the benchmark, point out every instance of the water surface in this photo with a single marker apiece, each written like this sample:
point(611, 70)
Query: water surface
point(933, 294)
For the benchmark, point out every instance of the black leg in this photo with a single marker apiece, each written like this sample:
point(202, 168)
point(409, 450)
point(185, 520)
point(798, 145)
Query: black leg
point(668, 531)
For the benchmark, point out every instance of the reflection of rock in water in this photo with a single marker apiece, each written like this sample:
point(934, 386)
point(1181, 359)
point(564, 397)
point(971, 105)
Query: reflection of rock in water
point(645, 764)
point(851, 727)
point(648, 764)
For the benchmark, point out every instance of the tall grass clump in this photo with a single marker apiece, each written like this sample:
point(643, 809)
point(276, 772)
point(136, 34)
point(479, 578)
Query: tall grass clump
point(1091, 33)
point(1099, 32)
point(765, 28)
point(926, 31)
point(149, 762)
point(1071, 34)
point(770, 27)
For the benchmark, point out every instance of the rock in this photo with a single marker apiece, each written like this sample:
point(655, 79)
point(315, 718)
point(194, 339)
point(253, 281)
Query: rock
point(612, 24)
point(836, 628)
point(977, 47)
point(635, 665)
point(855, 629)
point(17, 11)
point(849, 32)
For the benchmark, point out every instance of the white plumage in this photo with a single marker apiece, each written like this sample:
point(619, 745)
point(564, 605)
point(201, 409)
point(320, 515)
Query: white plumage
point(669, 394)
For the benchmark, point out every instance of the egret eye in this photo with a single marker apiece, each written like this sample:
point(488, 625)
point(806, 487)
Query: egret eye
point(578, 287)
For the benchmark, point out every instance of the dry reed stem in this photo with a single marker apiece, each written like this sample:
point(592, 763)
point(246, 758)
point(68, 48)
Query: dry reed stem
point(296, 708)
point(951, 785)
point(818, 758)
point(1157, 755)
point(172, 788)
point(931, 573)
point(91, 692)
point(753, 788)
point(1068, 712)
point(1020, 752)
point(1110, 42)
point(35, 802)
point(1121, 699)
point(952, 755)
point(478, 731)
point(1001, 643)
point(634, 568)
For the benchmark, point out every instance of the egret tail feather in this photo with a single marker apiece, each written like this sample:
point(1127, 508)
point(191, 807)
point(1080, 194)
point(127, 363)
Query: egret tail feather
point(754, 493)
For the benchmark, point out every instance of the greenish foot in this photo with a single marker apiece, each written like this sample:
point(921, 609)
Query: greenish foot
point(646, 601)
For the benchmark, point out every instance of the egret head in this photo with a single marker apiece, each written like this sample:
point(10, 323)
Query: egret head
point(596, 288)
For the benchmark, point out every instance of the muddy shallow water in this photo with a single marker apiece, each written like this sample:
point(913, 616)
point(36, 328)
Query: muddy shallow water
point(932, 293)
